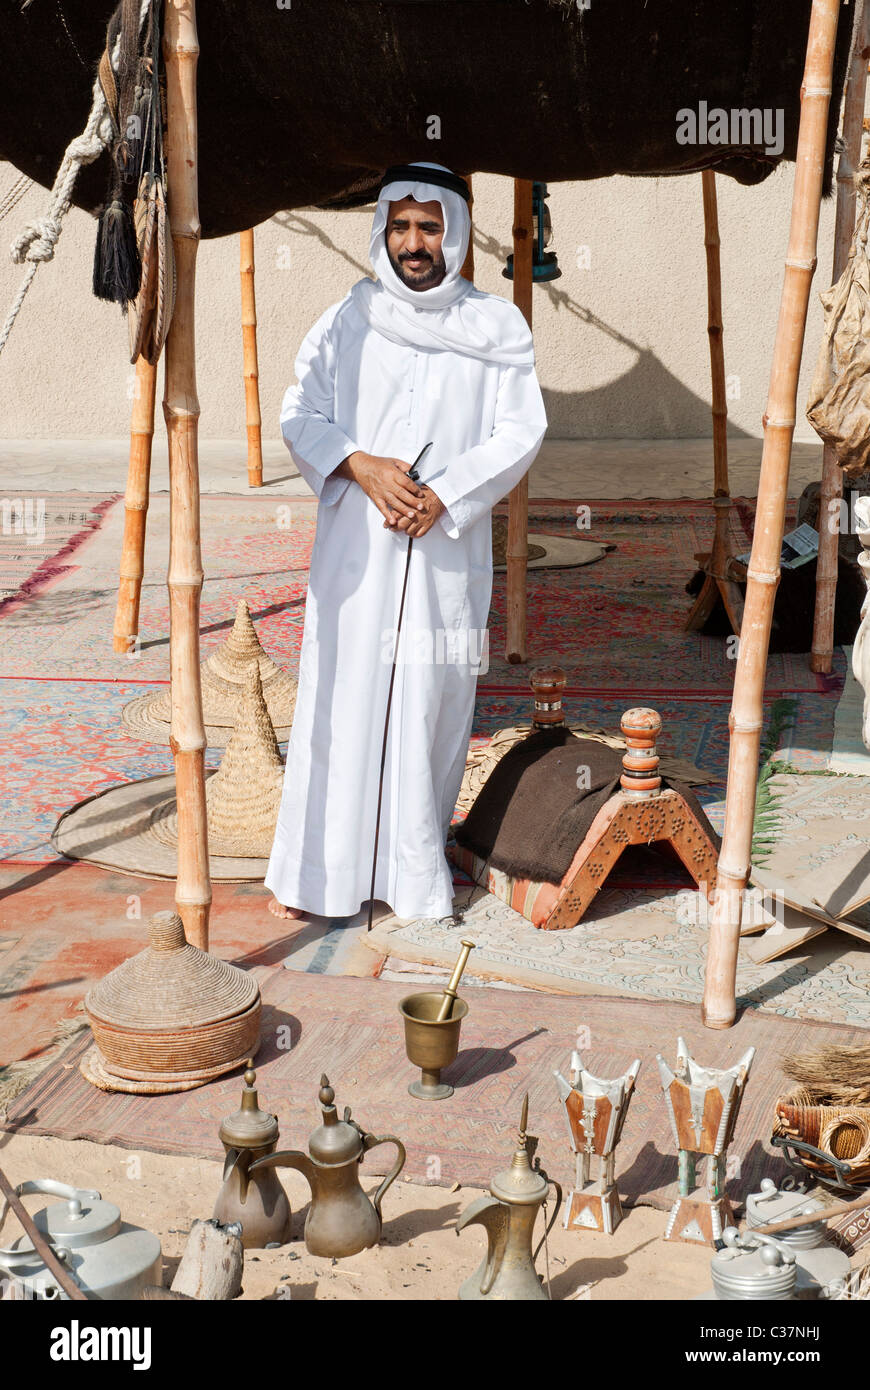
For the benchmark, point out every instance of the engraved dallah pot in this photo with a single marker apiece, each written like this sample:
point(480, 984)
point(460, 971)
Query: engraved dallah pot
point(508, 1216)
point(258, 1203)
point(341, 1219)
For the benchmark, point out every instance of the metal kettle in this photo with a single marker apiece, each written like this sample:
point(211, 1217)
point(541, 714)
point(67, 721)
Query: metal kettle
point(260, 1204)
point(508, 1216)
point(341, 1219)
point(108, 1257)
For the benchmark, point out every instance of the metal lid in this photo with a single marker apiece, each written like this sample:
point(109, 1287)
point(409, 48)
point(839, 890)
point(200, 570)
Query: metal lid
point(771, 1204)
point(753, 1267)
point(77, 1223)
point(335, 1141)
point(520, 1185)
point(249, 1127)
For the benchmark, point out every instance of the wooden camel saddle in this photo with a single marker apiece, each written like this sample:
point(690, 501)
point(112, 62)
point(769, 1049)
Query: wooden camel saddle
point(557, 811)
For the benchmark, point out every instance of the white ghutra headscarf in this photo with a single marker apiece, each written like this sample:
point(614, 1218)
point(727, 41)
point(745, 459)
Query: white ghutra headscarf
point(452, 316)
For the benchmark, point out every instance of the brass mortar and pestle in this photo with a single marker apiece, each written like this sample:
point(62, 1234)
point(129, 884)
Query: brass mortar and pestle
point(432, 1024)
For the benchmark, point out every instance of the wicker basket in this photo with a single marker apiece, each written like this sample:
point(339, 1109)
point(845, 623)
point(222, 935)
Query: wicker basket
point(173, 1013)
point(840, 1130)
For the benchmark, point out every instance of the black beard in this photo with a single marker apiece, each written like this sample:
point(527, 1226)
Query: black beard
point(422, 280)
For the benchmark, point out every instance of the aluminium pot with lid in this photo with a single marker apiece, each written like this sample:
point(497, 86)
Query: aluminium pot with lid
point(108, 1257)
point(822, 1268)
point(753, 1267)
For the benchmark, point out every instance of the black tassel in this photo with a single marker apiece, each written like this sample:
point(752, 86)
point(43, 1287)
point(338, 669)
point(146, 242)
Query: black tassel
point(117, 267)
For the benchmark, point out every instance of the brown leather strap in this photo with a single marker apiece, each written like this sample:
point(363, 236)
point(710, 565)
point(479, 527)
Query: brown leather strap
point(106, 75)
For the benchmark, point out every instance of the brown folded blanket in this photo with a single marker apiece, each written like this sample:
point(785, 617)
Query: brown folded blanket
point(531, 816)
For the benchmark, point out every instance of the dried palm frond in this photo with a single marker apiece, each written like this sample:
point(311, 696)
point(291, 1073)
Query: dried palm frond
point(834, 1075)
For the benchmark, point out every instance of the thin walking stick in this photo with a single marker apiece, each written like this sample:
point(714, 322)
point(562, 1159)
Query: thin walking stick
point(413, 476)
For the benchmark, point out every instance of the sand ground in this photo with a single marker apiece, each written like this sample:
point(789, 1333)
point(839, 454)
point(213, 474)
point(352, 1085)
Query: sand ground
point(420, 1255)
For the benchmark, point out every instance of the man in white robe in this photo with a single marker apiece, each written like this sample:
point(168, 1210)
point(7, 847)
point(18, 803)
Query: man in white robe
point(417, 356)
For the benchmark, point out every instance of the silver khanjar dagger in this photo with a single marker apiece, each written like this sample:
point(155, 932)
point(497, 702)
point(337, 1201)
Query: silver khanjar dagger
point(413, 474)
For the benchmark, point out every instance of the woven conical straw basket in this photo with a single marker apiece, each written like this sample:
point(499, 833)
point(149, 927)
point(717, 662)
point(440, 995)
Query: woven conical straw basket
point(243, 797)
point(222, 674)
point(172, 1016)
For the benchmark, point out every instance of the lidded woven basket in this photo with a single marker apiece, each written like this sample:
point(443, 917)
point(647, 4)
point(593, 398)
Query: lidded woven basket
point(173, 1013)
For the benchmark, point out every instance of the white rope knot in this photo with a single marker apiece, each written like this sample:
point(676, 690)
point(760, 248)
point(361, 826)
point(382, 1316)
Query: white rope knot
point(37, 241)
point(87, 147)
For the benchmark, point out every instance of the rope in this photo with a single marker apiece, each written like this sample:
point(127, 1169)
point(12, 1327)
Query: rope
point(39, 238)
point(12, 197)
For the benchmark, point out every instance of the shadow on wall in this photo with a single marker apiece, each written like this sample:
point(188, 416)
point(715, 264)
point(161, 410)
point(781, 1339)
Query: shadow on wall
point(646, 402)
point(298, 225)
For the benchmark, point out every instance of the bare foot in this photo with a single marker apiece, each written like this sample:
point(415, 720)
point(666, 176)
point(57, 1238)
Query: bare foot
point(279, 910)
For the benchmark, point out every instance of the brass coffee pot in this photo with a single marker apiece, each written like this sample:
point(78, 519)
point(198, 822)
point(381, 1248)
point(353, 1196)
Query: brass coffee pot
point(260, 1203)
point(341, 1219)
point(508, 1216)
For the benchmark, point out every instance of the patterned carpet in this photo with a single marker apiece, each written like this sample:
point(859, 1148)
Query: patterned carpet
point(647, 940)
point(509, 1044)
point(616, 626)
point(40, 535)
point(60, 742)
point(253, 548)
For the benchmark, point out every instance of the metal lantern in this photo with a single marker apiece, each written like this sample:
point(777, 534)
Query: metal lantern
point(545, 265)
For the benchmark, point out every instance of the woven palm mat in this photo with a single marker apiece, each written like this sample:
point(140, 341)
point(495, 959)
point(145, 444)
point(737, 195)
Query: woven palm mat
point(649, 940)
point(351, 1029)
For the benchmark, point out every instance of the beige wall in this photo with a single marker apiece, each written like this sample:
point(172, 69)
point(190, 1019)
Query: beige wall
point(621, 337)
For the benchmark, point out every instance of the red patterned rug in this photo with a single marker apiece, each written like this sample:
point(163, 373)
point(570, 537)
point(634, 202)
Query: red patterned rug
point(38, 537)
point(511, 1043)
point(617, 626)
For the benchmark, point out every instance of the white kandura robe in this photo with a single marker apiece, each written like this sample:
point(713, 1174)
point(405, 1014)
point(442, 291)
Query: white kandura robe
point(359, 390)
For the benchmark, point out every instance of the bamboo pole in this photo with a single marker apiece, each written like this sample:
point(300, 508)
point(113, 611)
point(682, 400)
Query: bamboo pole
point(181, 410)
point(714, 333)
point(746, 719)
point(717, 579)
point(517, 555)
point(126, 628)
point(251, 367)
point(831, 492)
